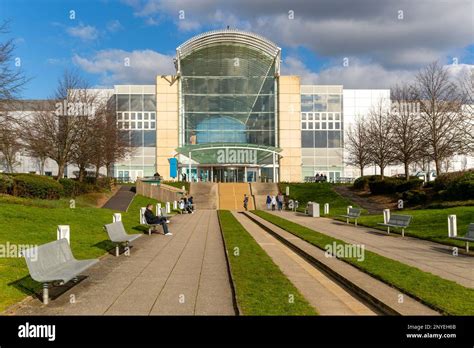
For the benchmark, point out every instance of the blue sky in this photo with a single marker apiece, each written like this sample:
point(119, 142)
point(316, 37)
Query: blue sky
point(382, 48)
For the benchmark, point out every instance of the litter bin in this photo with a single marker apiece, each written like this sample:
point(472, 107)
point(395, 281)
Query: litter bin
point(313, 209)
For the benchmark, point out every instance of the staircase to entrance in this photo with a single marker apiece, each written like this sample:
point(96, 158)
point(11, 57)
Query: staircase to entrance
point(204, 195)
point(231, 196)
point(260, 191)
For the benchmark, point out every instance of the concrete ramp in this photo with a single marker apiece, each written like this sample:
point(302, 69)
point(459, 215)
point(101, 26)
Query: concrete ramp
point(260, 190)
point(204, 195)
point(231, 196)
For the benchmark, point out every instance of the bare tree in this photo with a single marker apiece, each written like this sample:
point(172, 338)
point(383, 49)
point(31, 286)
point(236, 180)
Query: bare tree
point(57, 124)
point(12, 80)
point(9, 141)
point(407, 133)
point(381, 136)
point(467, 87)
point(443, 121)
point(357, 145)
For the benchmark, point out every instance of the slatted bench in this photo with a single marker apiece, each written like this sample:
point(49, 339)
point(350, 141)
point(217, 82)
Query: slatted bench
point(54, 262)
point(152, 227)
point(469, 237)
point(352, 213)
point(119, 236)
point(397, 221)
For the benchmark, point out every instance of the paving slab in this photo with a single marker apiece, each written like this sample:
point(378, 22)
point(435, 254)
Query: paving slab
point(153, 279)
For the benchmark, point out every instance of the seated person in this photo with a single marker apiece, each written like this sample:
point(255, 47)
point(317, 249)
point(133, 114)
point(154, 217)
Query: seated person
point(152, 219)
point(187, 207)
point(181, 205)
point(190, 202)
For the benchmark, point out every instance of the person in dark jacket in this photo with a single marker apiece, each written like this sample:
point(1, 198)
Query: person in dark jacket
point(152, 219)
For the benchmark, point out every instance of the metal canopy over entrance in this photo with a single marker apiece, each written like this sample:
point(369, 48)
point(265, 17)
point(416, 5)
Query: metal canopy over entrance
point(228, 162)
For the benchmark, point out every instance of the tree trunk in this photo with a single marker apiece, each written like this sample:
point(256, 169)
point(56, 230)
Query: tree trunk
point(361, 171)
point(82, 171)
point(381, 172)
point(438, 167)
point(60, 170)
point(407, 174)
point(109, 170)
point(97, 168)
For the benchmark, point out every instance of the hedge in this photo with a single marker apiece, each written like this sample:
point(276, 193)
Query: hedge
point(73, 188)
point(36, 186)
point(393, 185)
point(6, 183)
point(455, 186)
point(362, 183)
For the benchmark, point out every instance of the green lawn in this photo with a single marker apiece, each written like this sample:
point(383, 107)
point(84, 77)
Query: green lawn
point(261, 287)
point(444, 295)
point(33, 221)
point(430, 224)
point(178, 184)
point(317, 192)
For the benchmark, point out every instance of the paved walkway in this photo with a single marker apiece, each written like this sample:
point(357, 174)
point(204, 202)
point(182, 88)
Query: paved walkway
point(121, 200)
point(184, 274)
point(425, 255)
point(326, 296)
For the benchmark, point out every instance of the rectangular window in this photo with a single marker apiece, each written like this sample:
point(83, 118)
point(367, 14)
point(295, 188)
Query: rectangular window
point(330, 125)
point(337, 116)
point(139, 116)
point(323, 116)
point(303, 125)
point(303, 117)
point(132, 125)
point(320, 139)
point(334, 139)
point(133, 115)
point(145, 125)
point(152, 115)
point(125, 116)
point(120, 125)
point(317, 116)
point(337, 125)
point(307, 139)
point(317, 125)
point(145, 116)
point(139, 125)
point(123, 102)
point(330, 117)
point(152, 125)
point(310, 117)
point(310, 125)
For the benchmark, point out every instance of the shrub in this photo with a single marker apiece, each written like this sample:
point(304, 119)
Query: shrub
point(6, 183)
point(411, 184)
point(73, 188)
point(414, 197)
point(391, 185)
point(36, 186)
point(455, 186)
point(362, 183)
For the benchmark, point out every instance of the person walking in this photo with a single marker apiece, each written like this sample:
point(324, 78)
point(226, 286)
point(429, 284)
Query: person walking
point(280, 201)
point(246, 202)
point(274, 202)
point(269, 202)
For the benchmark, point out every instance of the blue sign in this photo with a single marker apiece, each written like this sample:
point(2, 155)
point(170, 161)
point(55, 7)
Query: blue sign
point(173, 167)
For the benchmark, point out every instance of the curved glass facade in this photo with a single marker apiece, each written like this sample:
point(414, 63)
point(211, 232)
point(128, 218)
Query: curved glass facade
point(228, 95)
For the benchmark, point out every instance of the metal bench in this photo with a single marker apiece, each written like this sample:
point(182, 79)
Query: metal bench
point(469, 237)
point(397, 221)
point(352, 213)
point(152, 227)
point(54, 262)
point(118, 235)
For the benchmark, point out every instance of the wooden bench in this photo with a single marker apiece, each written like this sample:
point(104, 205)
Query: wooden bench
point(469, 237)
point(118, 235)
point(54, 262)
point(352, 213)
point(397, 221)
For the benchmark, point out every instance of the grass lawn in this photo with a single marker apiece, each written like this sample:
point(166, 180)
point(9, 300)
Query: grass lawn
point(261, 287)
point(445, 295)
point(34, 222)
point(430, 224)
point(317, 192)
point(178, 184)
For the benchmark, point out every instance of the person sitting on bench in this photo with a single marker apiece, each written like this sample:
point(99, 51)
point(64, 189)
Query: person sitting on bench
point(152, 219)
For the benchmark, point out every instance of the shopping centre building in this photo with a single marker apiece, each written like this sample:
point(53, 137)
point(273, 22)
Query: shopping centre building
point(228, 114)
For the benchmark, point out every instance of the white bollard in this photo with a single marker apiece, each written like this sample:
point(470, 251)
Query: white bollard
point(347, 210)
point(117, 217)
point(142, 216)
point(288, 190)
point(326, 208)
point(175, 205)
point(158, 209)
point(64, 232)
point(183, 188)
point(386, 216)
point(452, 226)
point(168, 207)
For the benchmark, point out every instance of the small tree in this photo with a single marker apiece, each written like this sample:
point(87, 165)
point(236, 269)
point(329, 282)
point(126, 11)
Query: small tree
point(407, 132)
point(381, 136)
point(442, 120)
point(9, 142)
point(357, 145)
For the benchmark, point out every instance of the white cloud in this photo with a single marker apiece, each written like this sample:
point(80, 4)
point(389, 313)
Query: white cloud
point(121, 67)
point(83, 32)
point(114, 26)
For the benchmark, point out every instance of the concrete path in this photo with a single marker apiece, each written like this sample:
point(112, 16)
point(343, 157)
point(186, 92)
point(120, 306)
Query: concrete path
point(326, 296)
point(121, 200)
point(425, 255)
point(183, 274)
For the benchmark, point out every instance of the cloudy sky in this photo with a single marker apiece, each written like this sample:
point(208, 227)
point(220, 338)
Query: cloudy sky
point(360, 44)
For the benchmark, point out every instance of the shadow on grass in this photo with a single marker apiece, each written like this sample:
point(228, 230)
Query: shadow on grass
point(30, 287)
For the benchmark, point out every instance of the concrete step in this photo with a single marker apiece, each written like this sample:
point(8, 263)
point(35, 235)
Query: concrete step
point(204, 195)
point(231, 196)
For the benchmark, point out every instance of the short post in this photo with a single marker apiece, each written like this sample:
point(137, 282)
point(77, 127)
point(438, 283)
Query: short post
point(117, 217)
point(386, 218)
point(45, 293)
point(288, 190)
point(347, 210)
point(158, 209)
point(326, 208)
point(183, 188)
point(175, 205)
point(168, 207)
point(452, 226)
point(117, 250)
point(142, 216)
point(64, 232)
